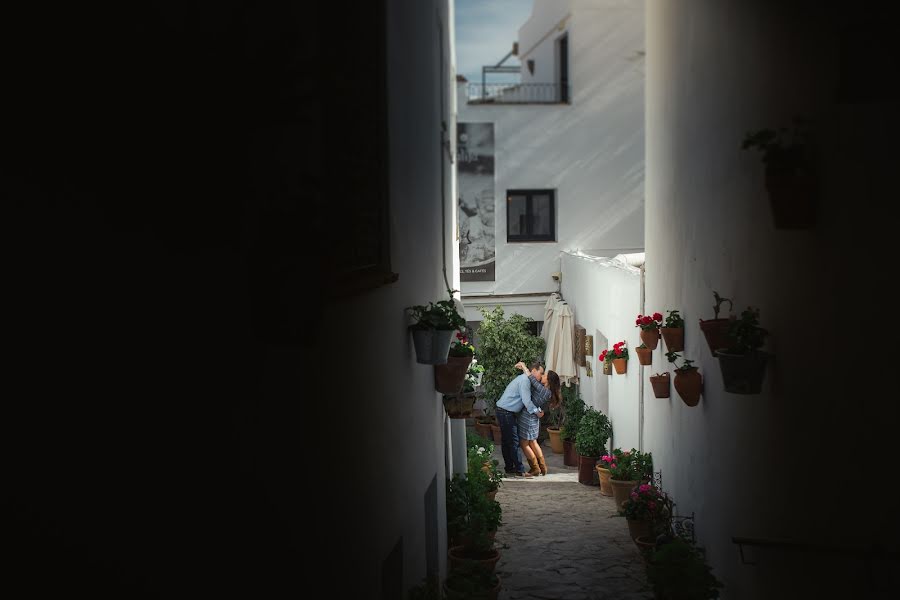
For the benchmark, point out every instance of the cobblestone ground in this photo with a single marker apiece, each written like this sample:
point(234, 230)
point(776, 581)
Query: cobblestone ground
point(563, 541)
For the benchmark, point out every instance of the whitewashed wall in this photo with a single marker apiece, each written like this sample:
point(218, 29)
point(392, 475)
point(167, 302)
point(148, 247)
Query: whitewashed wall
point(401, 428)
point(766, 465)
point(537, 39)
point(590, 152)
point(606, 300)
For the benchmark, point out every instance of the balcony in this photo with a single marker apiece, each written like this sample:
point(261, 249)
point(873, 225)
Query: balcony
point(517, 93)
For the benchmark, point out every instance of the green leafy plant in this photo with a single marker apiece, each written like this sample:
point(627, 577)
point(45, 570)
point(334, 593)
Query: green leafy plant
point(782, 149)
point(481, 461)
point(437, 315)
point(502, 343)
point(643, 346)
point(686, 364)
point(461, 346)
point(673, 319)
point(471, 515)
point(470, 581)
point(677, 570)
point(719, 301)
point(573, 409)
point(745, 334)
point(473, 376)
point(629, 465)
point(594, 430)
point(647, 503)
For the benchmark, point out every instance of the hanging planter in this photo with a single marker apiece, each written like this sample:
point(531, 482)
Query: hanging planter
point(449, 377)
point(459, 406)
point(433, 331)
point(619, 356)
point(688, 383)
point(716, 330)
point(742, 363)
point(432, 345)
point(673, 332)
point(649, 329)
point(790, 183)
point(644, 354)
point(660, 383)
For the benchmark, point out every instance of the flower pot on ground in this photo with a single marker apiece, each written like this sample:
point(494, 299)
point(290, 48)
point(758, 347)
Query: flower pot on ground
point(660, 384)
point(789, 172)
point(648, 512)
point(627, 469)
point(587, 474)
point(638, 527)
point(673, 332)
point(688, 382)
point(644, 354)
point(556, 442)
point(715, 330)
point(621, 488)
point(471, 584)
point(677, 569)
point(570, 456)
point(483, 427)
point(742, 363)
point(594, 430)
point(604, 474)
point(649, 329)
point(573, 409)
point(495, 434)
point(646, 545)
point(433, 330)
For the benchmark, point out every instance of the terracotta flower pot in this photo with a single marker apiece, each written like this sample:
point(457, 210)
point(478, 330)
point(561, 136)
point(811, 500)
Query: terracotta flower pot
point(495, 432)
point(449, 377)
point(792, 197)
point(660, 385)
point(586, 472)
point(459, 406)
point(674, 338)
point(716, 333)
point(483, 429)
point(605, 486)
point(650, 337)
point(556, 443)
point(621, 365)
point(639, 528)
point(621, 490)
point(461, 557)
point(743, 373)
point(570, 457)
point(645, 356)
point(689, 385)
point(646, 544)
point(466, 593)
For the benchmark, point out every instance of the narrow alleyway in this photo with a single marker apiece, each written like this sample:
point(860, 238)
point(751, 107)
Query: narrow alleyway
point(564, 542)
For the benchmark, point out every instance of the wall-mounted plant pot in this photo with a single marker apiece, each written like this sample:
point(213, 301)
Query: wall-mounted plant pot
point(459, 406)
point(716, 333)
point(449, 377)
point(689, 385)
point(743, 373)
point(570, 457)
point(674, 338)
point(660, 385)
point(432, 345)
point(621, 365)
point(650, 337)
point(607, 367)
point(792, 197)
point(645, 356)
point(587, 474)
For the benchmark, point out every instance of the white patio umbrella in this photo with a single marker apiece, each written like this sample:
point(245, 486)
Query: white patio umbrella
point(563, 356)
point(548, 314)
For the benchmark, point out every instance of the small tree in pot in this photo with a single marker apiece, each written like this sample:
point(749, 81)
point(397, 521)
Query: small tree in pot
point(742, 363)
point(594, 431)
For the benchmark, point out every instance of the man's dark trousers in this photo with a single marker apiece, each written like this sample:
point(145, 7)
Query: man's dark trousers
point(509, 432)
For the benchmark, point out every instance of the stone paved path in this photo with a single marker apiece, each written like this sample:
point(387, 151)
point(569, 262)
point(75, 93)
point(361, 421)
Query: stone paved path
point(563, 542)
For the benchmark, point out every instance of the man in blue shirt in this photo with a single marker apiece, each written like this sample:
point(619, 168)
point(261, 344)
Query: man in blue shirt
point(515, 398)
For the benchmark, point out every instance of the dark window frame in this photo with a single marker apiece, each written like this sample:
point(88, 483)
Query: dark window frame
point(529, 236)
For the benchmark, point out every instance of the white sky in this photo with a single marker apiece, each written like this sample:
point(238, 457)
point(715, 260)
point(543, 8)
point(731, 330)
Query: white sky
point(485, 32)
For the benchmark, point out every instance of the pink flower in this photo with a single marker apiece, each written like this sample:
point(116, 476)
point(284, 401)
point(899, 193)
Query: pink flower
point(644, 487)
point(634, 495)
point(612, 466)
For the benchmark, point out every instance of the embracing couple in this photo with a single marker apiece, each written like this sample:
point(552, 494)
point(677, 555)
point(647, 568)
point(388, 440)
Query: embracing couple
point(519, 411)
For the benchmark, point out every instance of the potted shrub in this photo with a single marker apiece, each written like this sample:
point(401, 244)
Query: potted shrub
point(594, 431)
point(605, 359)
point(433, 330)
point(449, 377)
point(715, 330)
point(573, 410)
point(471, 582)
point(660, 383)
point(553, 417)
point(502, 342)
point(604, 473)
point(482, 464)
point(644, 354)
point(648, 512)
point(627, 470)
point(673, 332)
point(677, 570)
point(742, 363)
point(472, 522)
point(619, 357)
point(790, 174)
point(688, 381)
point(649, 329)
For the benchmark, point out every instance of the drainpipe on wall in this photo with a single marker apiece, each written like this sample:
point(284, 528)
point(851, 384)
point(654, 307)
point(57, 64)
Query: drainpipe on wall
point(641, 381)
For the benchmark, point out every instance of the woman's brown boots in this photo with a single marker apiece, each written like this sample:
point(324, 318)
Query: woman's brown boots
point(542, 465)
point(535, 469)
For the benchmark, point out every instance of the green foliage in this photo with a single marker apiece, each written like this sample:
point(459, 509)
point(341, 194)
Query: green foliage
point(502, 343)
point(428, 589)
point(479, 451)
point(782, 149)
point(594, 431)
point(719, 301)
point(686, 364)
point(745, 334)
point(630, 465)
point(437, 315)
point(471, 515)
point(573, 408)
point(647, 503)
point(674, 320)
point(470, 582)
point(677, 570)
